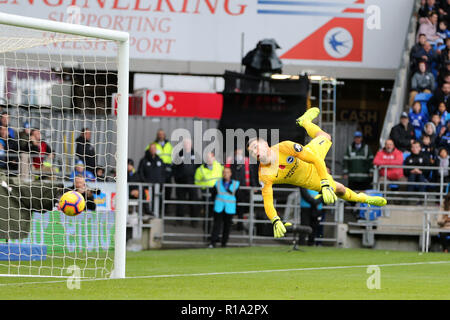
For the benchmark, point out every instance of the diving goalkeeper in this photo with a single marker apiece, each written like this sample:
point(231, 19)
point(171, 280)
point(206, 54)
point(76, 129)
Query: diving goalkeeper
point(304, 166)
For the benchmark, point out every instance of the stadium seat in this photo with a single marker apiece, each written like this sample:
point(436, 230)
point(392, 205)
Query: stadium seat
point(447, 188)
point(371, 214)
point(423, 97)
point(447, 237)
point(406, 154)
point(394, 187)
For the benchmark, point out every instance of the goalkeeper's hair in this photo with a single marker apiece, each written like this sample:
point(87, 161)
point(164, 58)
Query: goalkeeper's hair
point(251, 140)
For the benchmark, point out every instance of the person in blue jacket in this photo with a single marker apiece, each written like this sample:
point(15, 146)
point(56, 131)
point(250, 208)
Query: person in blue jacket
point(417, 118)
point(80, 169)
point(224, 194)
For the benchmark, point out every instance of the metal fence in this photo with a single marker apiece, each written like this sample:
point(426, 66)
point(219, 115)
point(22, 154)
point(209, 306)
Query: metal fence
point(430, 228)
point(434, 189)
point(161, 202)
point(256, 227)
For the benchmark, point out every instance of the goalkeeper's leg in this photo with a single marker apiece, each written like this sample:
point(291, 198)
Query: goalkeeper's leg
point(349, 195)
point(312, 129)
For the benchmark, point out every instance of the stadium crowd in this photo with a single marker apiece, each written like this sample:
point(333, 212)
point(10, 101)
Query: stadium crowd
point(422, 136)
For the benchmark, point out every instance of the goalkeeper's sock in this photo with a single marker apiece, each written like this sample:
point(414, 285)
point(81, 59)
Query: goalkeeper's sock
point(352, 196)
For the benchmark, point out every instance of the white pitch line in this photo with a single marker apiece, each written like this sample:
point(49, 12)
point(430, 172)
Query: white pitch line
point(237, 272)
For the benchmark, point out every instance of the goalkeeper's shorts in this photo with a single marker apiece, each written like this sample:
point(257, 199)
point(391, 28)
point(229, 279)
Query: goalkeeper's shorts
point(319, 146)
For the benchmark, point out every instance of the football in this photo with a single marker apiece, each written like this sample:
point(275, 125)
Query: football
point(72, 203)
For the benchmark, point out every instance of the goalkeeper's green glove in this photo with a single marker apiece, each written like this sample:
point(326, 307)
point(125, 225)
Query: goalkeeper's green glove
point(327, 192)
point(279, 228)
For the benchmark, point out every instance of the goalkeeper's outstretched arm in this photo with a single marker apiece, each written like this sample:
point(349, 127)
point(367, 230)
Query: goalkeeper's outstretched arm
point(279, 228)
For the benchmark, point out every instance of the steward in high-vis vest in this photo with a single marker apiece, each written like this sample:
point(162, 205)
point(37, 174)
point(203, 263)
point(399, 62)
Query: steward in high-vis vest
point(207, 174)
point(358, 164)
point(224, 207)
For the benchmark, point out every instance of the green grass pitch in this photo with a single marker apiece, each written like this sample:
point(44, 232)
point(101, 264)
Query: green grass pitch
point(255, 273)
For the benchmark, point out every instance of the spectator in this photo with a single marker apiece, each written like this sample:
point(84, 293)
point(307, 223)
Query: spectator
point(164, 151)
point(389, 155)
point(428, 55)
point(85, 151)
point(5, 122)
point(429, 130)
point(443, 222)
point(247, 174)
point(422, 81)
point(416, 175)
point(443, 139)
point(442, 112)
point(417, 118)
point(10, 148)
point(443, 57)
point(209, 172)
point(444, 51)
point(428, 148)
point(80, 170)
point(25, 137)
point(358, 164)
point(310, 214)
point(151, 167)
point(79, 185)
point(40, 150)
point(132, 176)
point(444, 72)
point(444, 75)
point(100, 174)
point(436, 120)
point(442, 30)
point(427, 6)
point(428, 27)
point(416, 52)
point(442, 162)
point(444, 11)
point(185, 164)
point(224, 195)
point(441, 94)
point(403, 133)
point(242, 170)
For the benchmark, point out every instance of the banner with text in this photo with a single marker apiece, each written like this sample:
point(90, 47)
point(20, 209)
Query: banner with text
point(356, 33)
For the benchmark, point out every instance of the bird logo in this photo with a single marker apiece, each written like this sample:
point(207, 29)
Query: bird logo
point(338, 42)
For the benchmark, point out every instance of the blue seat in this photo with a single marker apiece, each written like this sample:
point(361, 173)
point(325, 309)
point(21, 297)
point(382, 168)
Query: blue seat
point(406, 155)
point(447, 237)
point(393, 186)
point(374, 212)
point(423, 97)
point(447, 188)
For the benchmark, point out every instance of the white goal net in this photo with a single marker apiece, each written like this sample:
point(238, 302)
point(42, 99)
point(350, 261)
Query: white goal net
point(60, 130)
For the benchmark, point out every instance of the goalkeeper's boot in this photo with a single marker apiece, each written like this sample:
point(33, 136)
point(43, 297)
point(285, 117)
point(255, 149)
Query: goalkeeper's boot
point(309, 115)
point(376, 201)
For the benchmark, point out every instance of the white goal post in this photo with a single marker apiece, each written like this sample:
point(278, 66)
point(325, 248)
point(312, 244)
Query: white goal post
point(26, 45)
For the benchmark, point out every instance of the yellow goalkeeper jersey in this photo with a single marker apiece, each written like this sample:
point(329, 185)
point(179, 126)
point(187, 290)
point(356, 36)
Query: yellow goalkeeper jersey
point(297, 165)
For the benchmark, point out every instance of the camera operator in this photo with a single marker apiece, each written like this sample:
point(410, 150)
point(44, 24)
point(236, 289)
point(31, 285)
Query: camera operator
point(79, 185)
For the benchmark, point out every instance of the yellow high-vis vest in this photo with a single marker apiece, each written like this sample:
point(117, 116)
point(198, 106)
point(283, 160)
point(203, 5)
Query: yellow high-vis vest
point(208, 177)
point(165, 153)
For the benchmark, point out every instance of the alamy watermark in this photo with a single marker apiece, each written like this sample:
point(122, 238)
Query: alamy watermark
point(223, 146)
point(374, 280)
point(73, 282)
